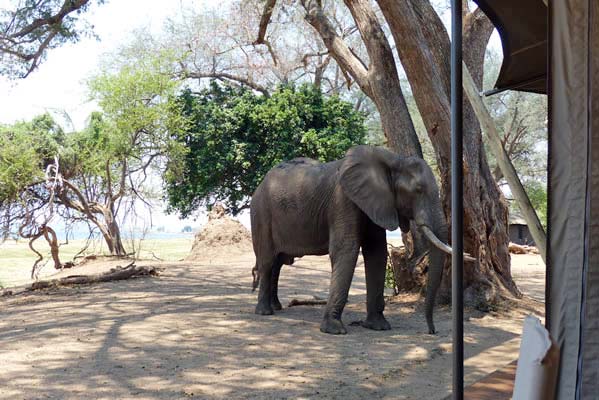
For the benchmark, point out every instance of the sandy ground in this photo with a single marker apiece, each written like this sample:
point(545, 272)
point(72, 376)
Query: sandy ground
point(192, 333)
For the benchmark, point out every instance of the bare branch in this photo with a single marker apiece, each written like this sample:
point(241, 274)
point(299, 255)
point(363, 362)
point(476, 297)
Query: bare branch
point(339, 50)
point(227, 76)
point(265, 20)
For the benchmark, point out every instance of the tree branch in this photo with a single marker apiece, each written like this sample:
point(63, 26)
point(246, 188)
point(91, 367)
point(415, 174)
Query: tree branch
point(227, 76)
point(265, 20)
point(56, 19)
point(339, 50)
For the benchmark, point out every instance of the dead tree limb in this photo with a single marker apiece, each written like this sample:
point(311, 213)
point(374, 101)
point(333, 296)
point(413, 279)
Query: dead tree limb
point(505, 164)
point(115, 274)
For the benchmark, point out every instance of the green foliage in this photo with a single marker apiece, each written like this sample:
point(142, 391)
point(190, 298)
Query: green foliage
point(25, 150)
point(236, 136)
point(537, 193)
point(104, 163)
point(139, 101)
point(389, 276)
point(29, 28)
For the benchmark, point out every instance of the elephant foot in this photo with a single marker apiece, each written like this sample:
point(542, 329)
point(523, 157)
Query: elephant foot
point(276, 304)
point(332, 326)
point(262, 309)
point(431, 330)
point(376, 322)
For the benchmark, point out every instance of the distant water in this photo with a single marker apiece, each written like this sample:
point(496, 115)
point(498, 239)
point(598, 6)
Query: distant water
point(132, 235)
point(165, 235)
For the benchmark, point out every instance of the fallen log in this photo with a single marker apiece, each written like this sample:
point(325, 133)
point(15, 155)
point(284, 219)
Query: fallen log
point(522, 249)
point(115, 274)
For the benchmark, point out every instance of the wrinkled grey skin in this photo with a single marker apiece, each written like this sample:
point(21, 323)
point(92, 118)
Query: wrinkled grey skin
point(303, 207)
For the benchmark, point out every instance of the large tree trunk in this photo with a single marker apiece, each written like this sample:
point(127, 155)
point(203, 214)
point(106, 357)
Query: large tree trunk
point(377, 78)
point(107, 224)
point(423, 46)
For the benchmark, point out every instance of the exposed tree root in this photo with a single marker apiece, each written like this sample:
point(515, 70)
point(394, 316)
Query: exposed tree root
point(306, 302)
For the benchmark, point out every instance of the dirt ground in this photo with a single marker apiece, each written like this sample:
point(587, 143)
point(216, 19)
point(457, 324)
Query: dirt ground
point(192, 333)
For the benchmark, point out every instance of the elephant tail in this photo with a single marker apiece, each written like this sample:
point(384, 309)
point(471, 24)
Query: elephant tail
point(256, 277)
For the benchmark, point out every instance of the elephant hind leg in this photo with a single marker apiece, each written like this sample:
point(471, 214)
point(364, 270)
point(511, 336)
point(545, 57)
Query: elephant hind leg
point(265, 270)
point(274, 293)
point(255, 277)
point(268, 277)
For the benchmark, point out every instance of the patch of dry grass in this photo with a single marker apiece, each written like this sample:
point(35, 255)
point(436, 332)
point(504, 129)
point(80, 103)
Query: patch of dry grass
point(16, 259)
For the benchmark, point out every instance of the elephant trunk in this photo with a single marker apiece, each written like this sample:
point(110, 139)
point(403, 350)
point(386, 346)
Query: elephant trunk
point(435, 226)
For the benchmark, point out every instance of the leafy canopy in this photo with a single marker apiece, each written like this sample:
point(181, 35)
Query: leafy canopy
point(235, 137)
point(26, 148)
point(103, 167)
point(29, 28)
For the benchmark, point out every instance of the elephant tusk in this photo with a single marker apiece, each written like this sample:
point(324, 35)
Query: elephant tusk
point(442, 246)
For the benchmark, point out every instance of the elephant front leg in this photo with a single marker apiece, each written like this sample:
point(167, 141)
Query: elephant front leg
point(344, 263)
point(374, 251)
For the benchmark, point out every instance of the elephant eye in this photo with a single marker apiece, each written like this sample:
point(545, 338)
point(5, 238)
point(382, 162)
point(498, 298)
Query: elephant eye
point(416, 184)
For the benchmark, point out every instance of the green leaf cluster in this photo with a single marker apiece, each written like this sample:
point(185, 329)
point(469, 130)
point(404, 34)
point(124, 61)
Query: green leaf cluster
point(235, 137)
point(139, 108)
point(26, 148)
point(140, 102)
point(537, 193)
point(29, 28)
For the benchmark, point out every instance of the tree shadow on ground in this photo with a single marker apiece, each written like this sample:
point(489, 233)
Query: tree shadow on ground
point(192, 333)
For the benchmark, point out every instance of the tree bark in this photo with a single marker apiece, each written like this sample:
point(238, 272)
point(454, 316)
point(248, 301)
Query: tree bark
point(112, 234)
point(107, 225)
point(424, 50)
point(505, 164)
point(379, 79)
point(52, 240)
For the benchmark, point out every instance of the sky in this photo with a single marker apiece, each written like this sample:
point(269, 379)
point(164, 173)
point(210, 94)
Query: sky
point(58, 85)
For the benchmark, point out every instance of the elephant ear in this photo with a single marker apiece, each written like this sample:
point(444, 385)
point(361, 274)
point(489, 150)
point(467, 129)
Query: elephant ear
point(365, 179)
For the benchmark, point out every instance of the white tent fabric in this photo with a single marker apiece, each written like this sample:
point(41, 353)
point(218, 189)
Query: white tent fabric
point(573, 298)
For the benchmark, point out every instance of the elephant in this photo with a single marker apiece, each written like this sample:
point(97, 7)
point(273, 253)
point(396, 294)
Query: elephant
point(305, 207)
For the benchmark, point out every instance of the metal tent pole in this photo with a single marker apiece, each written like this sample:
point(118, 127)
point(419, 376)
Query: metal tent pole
point(457, 205)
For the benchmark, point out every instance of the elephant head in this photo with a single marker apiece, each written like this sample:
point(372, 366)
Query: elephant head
point(393, 190)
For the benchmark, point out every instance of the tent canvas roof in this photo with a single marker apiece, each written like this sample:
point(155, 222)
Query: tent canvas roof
point(522, 26)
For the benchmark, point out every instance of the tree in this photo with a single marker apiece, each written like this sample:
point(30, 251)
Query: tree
point(96, 174)
point(537, 192)
point(522, 121)
point(423, 47)
point(33, 27)
point(422, 44)
point(235, 136)
point(26, 154)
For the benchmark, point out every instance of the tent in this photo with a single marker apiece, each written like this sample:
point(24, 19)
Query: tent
point(555, 50)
